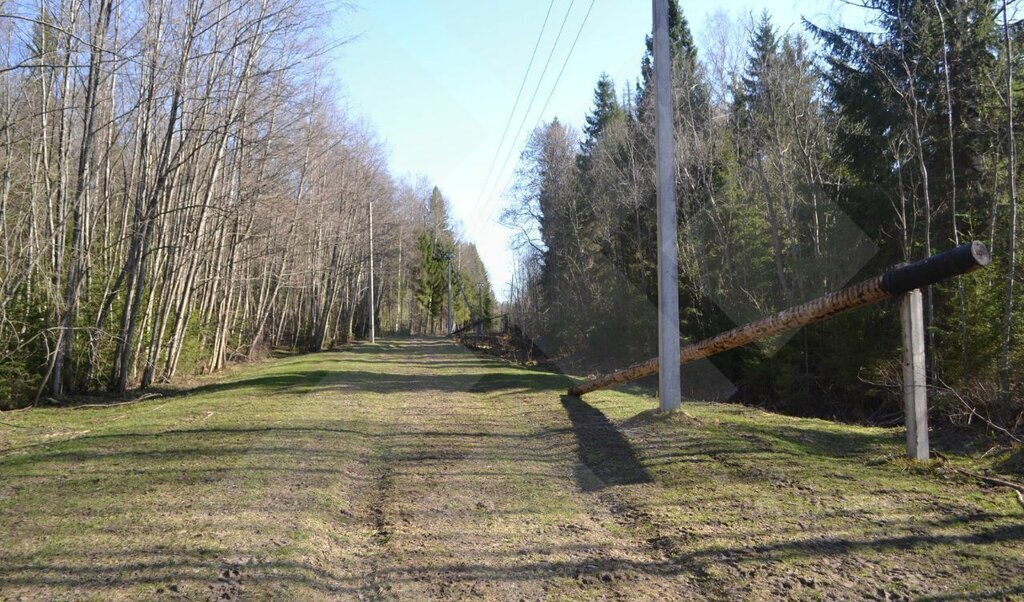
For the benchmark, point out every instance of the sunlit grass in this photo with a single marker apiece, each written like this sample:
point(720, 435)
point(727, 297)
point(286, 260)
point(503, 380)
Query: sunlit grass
point(421, 465)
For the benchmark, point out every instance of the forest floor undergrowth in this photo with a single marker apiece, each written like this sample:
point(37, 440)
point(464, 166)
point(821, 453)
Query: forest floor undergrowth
point(415, 469)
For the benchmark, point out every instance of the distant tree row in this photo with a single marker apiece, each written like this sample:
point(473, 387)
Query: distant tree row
point(802, 164)
point(448, 265)
point(178, 189)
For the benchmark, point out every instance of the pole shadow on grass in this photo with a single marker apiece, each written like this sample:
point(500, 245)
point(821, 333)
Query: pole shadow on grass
point(606, 456)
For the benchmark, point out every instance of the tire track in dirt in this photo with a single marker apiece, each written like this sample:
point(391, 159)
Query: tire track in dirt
point(606, 470)
point(475, 466)
point(314, 449)
point(378, 587)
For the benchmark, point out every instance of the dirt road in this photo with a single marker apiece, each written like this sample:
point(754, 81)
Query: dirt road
point(413, 469)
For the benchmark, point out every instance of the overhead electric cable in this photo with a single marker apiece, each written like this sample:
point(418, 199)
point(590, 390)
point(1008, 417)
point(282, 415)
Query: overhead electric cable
point(550, 95)
point(519, 96)
point(562, 70)
point(533, 97)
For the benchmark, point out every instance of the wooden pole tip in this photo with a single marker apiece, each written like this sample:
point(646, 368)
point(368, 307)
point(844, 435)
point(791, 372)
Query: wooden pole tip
point(959, 260)
point(980, 253)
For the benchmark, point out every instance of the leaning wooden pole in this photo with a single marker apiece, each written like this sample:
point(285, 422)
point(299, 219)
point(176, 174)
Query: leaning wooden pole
point(954, 262)
point(474, 324)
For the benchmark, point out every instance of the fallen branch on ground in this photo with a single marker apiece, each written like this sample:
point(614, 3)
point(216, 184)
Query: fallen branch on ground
point(118, 404)
point(1017, 488)
point(972, 411)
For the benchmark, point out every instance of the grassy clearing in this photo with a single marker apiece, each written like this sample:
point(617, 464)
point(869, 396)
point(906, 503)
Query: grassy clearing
point(413, 469)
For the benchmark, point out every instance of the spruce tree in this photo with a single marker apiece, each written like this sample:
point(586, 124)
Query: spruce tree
point(682, 49)
point(606, 109)
point(754, 95)
point(439, 220)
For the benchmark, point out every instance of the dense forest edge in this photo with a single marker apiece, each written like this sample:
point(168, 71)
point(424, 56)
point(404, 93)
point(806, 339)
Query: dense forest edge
point(181, 188)
point(806, 160)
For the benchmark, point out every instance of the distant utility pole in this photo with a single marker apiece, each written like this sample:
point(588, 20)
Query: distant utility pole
point(373, 329)
point(668, 251)
point(480, 301)
point(451, 322)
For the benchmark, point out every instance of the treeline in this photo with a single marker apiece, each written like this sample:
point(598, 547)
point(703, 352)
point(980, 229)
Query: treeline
point(179, 189)
point(803, 161)
point(448, 269)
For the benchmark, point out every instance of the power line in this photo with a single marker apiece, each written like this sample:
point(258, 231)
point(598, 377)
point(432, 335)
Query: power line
point(562, 70)
point(533, 97)
point(551, 94)
point(519, 96)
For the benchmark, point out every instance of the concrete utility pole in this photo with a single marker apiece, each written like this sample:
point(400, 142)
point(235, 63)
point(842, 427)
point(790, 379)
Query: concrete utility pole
point(480, 302)
point(373, 329)
point(668, 248)
point(451, 323)
point(401, 290)
point(915, 382)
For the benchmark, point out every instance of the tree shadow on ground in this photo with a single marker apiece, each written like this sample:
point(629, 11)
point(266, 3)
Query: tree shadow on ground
point(823, 441)
point(204, 572)
point(178, 573)
point(522, 380)
point(1014, 464)
point(327, 381)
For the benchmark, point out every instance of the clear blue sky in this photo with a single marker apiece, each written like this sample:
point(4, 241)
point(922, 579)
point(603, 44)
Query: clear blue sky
point(437, 80)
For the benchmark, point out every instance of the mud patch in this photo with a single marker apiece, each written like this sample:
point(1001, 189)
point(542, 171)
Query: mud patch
point(229, 584)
